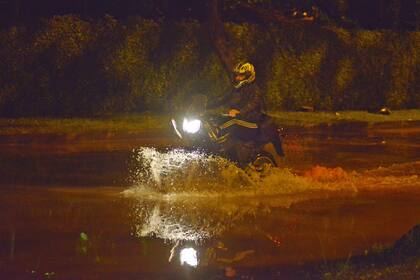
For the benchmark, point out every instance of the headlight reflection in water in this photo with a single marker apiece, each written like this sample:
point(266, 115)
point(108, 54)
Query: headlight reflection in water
point(188, 256)
point(188, 196)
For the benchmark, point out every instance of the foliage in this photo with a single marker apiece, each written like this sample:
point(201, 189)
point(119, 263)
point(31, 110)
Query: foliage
point(73, 67)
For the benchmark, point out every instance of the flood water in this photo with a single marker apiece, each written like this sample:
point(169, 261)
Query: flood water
point(139, 208)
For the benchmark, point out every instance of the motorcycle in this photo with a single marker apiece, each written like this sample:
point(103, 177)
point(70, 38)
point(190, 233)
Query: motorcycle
point(199, 129)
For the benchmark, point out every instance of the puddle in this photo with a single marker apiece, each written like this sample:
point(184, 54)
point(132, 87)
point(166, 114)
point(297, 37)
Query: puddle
point(137, 210)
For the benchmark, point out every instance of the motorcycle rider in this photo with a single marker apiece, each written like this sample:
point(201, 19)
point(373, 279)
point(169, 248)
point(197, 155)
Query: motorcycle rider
point(246, 109)
point(245, 105)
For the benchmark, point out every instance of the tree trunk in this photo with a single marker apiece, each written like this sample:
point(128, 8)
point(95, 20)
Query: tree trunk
point(218, 36)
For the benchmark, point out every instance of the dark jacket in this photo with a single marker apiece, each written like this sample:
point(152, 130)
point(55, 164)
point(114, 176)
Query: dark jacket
point(247, 99)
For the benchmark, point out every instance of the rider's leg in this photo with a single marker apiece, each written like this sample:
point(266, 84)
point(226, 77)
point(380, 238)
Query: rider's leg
point(238, 131)
point(269, 148)
point(269, 130)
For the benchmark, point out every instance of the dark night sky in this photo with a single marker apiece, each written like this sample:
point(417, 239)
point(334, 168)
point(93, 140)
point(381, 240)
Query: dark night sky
point(29, 10)
point(369, 13)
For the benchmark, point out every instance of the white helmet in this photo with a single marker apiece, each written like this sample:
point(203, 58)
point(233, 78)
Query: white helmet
point(246, 69)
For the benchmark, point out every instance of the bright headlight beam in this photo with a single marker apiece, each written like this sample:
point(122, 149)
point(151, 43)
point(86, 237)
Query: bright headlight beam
point(191, 126)
point(189, 256)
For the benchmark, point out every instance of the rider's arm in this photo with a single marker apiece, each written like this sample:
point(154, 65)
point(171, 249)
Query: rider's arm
point(254, 102)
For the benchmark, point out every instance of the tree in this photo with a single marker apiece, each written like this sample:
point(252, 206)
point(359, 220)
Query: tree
point(217, 32)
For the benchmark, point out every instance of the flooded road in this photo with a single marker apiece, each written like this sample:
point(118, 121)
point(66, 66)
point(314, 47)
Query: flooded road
point(119, 209)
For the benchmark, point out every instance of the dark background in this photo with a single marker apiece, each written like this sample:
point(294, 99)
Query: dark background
point(363, 13)
point(329, 54)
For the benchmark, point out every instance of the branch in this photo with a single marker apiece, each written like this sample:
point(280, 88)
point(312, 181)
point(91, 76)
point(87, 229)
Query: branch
point(269, 15)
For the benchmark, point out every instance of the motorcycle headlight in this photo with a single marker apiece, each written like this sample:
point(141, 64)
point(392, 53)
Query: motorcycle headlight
point(191, 126)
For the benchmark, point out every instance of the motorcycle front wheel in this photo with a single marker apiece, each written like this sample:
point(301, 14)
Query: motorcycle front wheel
point(263, 162)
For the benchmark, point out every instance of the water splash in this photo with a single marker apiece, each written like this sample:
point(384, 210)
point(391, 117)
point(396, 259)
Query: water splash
point(184, 195)
point(178, 170)
point(397, 176)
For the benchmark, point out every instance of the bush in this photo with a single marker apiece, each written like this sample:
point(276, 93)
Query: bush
point(74, 67)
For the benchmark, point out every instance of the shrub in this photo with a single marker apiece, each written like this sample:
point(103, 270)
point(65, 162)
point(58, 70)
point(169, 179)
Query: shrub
point(75, 67)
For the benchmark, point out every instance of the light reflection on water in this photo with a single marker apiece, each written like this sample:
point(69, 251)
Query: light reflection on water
point(182, 195)
point(189, 196)
point(205, 203)
point(188, 256)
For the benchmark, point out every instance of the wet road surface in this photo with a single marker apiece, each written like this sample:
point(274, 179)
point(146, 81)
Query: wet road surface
point(94, 209)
